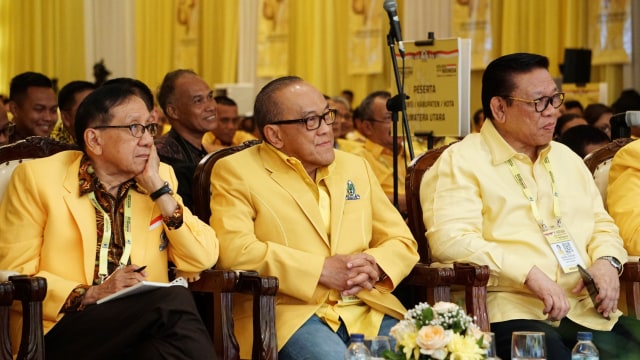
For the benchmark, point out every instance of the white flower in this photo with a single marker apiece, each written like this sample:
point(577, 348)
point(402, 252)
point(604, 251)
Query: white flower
point(445, 307)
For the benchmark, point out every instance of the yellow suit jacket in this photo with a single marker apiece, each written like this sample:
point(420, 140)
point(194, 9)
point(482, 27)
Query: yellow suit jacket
point(268, 220)
point(48, 230)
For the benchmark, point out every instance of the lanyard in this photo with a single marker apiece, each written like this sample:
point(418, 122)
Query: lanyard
point(106, 236)
point(532, 201)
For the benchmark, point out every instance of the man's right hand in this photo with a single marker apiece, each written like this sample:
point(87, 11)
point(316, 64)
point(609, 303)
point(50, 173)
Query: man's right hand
point(118, 280)
point(556, 303)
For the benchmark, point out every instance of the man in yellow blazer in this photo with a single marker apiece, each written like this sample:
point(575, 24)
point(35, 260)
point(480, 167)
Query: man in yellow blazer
point(58, 213)
point(315, 217)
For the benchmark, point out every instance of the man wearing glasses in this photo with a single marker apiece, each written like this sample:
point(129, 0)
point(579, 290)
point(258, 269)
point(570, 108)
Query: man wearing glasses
point(316, 218)
point(511, 198)
point(88, 221)
point(226, 133)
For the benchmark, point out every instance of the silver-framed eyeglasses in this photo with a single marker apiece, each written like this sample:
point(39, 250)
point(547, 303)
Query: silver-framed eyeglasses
point(543, 102)
point(137, 130)
point(312, 122)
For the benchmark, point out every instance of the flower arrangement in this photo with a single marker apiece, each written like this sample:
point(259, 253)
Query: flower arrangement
point(442, 331)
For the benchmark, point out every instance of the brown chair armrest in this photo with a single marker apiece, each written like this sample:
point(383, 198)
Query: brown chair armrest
point(434, 282)
point(474, 278)
point(630, 281)
point(6, 299)
point(263, 290)
point(220, 285)
point(30, 291)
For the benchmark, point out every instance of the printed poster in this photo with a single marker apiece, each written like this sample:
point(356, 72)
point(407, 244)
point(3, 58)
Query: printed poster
point(437, 81)
point(273, 38)
point(610, 33)
point(186, 40)
point(472, 20)
point(366, 32)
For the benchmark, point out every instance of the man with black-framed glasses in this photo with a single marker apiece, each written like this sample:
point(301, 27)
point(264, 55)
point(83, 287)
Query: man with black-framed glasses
point(527, 207)
point(316, 217)
point(100, 220)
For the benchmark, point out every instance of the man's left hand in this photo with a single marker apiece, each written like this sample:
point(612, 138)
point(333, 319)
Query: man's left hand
point(606, 279)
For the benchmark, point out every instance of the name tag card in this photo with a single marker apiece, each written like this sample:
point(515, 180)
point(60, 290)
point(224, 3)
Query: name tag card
point(564, 248)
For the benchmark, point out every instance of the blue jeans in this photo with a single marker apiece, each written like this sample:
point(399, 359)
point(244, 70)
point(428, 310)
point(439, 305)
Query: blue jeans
point(315, 340)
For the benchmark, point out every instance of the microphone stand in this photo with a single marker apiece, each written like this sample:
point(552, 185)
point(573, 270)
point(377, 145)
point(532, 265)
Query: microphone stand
point(397, 104)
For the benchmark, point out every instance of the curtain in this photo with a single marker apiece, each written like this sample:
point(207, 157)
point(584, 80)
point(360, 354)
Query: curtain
point(44, 36)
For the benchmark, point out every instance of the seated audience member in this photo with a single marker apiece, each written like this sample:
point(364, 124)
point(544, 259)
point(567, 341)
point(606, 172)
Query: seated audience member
point(347, 95)
point(343, 116)
point(318, 220)
point(584, 139)
point(478, 120)
point(377, 149)
point(527, 207)
point(354, 134)
point(598, 116)
point(187, 101)
point(623, 193)
point(226, 133)
point(629, 100)
point(567, 121)
point(573, 107)
point(69, 98)
point(64, 218)
point(6, 127)
point(33, 105)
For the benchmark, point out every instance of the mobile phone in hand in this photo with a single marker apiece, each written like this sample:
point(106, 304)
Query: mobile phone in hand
point(590, 284)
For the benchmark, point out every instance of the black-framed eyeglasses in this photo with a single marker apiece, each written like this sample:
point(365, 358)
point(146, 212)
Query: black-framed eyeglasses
point(312, 122)
point(137, 130)
point(541, 103)
point(8, 128)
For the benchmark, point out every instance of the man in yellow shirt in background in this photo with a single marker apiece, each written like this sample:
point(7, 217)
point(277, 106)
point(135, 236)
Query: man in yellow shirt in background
point(226, 133)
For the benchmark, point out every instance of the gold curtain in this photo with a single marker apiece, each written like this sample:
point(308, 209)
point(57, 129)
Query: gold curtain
point(156, 26)
point(548, 27)
point(44, 36)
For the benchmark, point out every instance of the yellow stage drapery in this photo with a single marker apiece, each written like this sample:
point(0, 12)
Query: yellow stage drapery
point(47, 36)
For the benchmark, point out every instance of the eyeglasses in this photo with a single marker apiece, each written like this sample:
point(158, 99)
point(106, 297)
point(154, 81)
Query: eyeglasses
point(7, 129)
point(312, 122)
point(137, 130)
point(542, 103)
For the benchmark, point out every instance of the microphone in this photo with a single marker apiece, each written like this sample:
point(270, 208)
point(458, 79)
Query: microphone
point(621, 122)
point(390, 6)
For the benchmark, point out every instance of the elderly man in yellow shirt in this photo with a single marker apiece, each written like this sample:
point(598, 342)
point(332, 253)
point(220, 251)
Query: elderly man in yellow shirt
point(511, 198)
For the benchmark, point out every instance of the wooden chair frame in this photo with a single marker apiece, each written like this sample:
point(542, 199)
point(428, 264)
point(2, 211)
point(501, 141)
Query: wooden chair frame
point(262, 288)
point(473, 278)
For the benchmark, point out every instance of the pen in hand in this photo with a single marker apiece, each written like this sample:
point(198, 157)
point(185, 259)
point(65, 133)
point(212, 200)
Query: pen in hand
point(140, 268)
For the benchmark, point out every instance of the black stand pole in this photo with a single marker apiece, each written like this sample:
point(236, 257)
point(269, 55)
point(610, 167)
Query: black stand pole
point(397, 104)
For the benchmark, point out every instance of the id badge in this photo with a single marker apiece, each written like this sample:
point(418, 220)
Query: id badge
point(564, 248)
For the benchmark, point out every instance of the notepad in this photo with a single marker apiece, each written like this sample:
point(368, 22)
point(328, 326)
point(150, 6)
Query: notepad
point(141, 287)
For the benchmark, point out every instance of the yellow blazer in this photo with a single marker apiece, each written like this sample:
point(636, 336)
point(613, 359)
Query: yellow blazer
point(48, 230)
point(268, 220)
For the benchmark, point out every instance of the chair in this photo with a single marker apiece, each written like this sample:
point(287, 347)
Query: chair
point(220, 285)
point(599, 163)
point(30, 291)
point(473, 278)
point(6, 299)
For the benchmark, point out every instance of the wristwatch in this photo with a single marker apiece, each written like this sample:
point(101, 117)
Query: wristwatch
point(614, 262)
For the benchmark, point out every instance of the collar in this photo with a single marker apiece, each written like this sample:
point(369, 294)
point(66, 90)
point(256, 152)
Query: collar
point(89, 182)
point(376, 149)
point(295, 164)
point(500, 149)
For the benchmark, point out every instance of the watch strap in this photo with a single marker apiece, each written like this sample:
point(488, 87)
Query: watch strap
point(164, 189)
point(614, 262)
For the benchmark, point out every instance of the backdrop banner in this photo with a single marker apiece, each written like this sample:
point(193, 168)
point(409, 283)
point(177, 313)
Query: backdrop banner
point(273, 39)
point(365, 37)
point(610, 31)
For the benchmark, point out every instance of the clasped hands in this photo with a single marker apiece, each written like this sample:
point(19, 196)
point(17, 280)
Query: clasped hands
point(556, 303)
point(123, 277)
point(350, 273)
